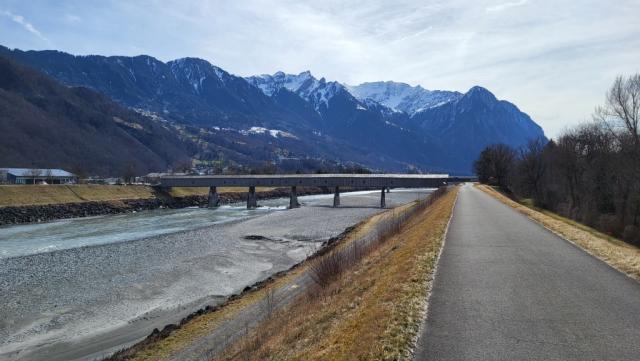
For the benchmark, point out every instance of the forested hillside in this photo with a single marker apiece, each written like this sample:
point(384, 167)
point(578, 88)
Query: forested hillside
point(45, 124)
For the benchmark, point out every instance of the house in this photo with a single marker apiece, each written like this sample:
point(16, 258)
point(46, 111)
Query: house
point(36, 176)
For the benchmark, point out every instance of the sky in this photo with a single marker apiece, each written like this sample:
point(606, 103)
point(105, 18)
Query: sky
point(554, 59)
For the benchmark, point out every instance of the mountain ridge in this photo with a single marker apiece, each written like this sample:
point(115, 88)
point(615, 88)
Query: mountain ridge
point(401, 96)
point(379, 133)
point(43, 123)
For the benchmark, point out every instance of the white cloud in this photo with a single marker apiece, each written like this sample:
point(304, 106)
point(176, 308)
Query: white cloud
point(19, 19)
point(504, 6)
point(555, 60)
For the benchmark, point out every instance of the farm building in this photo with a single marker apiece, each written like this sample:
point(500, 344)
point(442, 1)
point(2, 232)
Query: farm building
point(36, 176)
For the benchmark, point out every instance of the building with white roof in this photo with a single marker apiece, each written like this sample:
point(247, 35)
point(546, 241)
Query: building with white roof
point(36, 176)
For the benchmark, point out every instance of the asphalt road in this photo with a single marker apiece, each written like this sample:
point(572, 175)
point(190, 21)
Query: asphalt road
point(508, 289)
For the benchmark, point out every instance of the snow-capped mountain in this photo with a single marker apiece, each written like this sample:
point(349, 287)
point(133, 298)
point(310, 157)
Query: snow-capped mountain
point(384, 125)
point(316, 91)
point(402, 97)
point(195, 72)
point(269, 84)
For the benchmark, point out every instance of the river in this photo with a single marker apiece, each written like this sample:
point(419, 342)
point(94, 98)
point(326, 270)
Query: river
point(21, 240)
point(79, 289)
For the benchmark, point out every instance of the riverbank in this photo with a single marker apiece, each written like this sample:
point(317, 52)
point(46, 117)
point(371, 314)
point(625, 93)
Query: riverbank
point(372, 308)
point(86, 302)
point(372, 311)
point(29, 204)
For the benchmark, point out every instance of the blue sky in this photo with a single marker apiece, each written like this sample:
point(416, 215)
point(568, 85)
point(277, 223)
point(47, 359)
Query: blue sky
point(554, 59)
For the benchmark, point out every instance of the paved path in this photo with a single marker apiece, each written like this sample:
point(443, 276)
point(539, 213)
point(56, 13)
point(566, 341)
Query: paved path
point(507, 289)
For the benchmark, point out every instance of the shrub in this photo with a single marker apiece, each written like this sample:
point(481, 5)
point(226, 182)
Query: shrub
point(329, 267)
point(325, 270)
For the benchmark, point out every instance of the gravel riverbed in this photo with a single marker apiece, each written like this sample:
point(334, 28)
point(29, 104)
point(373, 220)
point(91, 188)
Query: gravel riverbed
point(86, 302)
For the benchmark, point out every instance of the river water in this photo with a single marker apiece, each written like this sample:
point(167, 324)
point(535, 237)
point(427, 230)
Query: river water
point(21, 240)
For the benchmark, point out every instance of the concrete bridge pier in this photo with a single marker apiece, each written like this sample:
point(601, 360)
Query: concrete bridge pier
point(293, 198)
point(252, 201)
point(383, 203)
point(214, 199)
point(336, 197)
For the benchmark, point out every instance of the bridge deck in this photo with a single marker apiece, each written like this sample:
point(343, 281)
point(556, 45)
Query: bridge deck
point(311, 180)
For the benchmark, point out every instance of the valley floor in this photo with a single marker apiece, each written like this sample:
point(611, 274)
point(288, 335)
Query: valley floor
point(86, 302)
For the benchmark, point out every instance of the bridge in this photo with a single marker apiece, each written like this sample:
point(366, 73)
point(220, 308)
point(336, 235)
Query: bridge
point(335, 181)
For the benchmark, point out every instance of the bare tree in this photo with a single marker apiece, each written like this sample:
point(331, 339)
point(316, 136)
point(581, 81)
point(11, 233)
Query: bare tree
point(34, 174)
point(49, 176)
point(622, 107)
point(129, 173)
point(495, 165)
point(621, 115)
point(531, 168)
point(80, 173)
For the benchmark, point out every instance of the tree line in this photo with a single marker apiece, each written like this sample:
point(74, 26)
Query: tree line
point(590, 173)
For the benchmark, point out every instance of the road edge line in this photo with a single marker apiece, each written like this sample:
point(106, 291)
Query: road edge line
point(425, 313)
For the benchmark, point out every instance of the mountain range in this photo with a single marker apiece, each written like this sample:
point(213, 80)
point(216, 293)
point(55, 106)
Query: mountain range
point(44, 124)
point(216, 115)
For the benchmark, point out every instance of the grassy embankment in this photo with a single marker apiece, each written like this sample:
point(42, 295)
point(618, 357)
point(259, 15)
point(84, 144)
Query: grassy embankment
point(21, 195)
point(371, 310)
point(620, 255)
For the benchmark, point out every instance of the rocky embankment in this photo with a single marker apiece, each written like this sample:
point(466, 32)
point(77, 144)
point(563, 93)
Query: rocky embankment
point(50, 212)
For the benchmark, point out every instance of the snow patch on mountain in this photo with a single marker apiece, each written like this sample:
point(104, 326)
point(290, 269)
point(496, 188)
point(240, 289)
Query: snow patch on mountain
point(402, 97)
point(270, 84)
point(195, 71)
point(316, 91)
point(273, 132)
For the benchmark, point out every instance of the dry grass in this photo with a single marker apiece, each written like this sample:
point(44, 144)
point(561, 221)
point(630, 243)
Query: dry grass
point(21, 195)
point(27, 195)
point(618, 254)
point(200, 326)
point(371, 312)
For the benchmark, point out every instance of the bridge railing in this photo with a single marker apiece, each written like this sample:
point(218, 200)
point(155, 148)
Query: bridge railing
point(332, 181)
